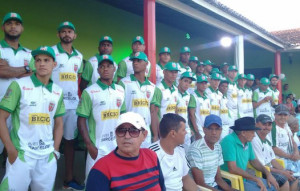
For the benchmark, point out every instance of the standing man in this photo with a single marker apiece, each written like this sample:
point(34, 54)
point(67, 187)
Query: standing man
point(141, 94)
point(36, 105)
point(224, 112)
point(193, 62)
point(15, 60)
point(199, 107)
point(90, 73)
point(262, 99)
point(125, 66)
point(200, 68)
point(100, 106)
point(249, 92)
point(224, 69)
point(243, 97)
point(232, 92)
point(65, 74)
point(164, 58)
point(172, 157)
point(275, 92)
point(213, 94)
point(207, 68)
point(184, 57)
point(186, 79)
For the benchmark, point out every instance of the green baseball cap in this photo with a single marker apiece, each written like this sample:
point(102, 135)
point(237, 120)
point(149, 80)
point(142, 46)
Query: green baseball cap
point(188, 75)
point(265, 81)
point(207, 62)
point(106, 38)
point(224, 64)
point(242, 76)
point(66, 24)
point(194, 58)
point(200, 64)
point(250, 77)
point(172, 66)
point(140, 56)
point(47, 50)
point(12, 16)
point(201, 78)
point(273, 76)
point(232, 67)
point(215, 76)
point(105, 57)
point(165, 50)
point(224, 80)
point(216, 70)
point(138, 39)
point(185, 49)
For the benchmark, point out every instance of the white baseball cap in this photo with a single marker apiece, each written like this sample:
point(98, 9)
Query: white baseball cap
point(134, 119)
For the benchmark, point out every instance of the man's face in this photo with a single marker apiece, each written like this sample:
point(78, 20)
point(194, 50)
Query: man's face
point(200, 69)
point(242, 82)
point(44, 65)
point(105, 47)
point(286, 87)
point(274, 81)
point(232, 74)
point(223, 88)
point(224, 69)
point(106, 70)
point(248, 135)
point(281, 119)
point(185, 83)
point(129, 146)
point(164, 57)
point(265, 128)
point(208, 68)
point(67, 35)
point(137, 47)
point(193, 65)
point(139, 65)
point(264, 87)
point(201, 87)
point(180, 134)
point(170, 76)
point(184, 57)
point(12, 29)
point(214, 83)
point(250, 83)
point(212, 133)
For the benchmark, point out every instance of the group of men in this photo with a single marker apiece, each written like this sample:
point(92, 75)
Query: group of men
point(191, 100)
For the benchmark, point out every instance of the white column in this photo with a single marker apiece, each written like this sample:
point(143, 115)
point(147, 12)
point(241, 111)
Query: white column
point(239, 53)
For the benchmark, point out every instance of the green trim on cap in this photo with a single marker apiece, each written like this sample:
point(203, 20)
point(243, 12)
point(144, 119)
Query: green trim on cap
point(201, 78)
point(185, 49)
point(140, 56)
point(103, 57)
point(250, 77)
point(188, 75)
point(165, 50)
point(12, 16)
point(138, 39)
point(232, 67)
point(194, 58)
point(273, 76)
point(106, 38)
point(265, 81)
point(216, 70)
point(172, 66)
point(215, 76)
point(47, 50)
point(242, 76)
point(207, 62)
point(66, 24)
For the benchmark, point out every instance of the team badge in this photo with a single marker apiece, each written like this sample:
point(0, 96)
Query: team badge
point(217, 75)
point(13, 15)
point(203, 77)
point(174, 65)
point(137, 54)
point(119, 102)
point(175, 99)
point(106, 37)
point(148, 94)
point(138, 38)
point(66, 23)
point(51, 106)
point(186, 48)
point(166, 49)
point(25, 62)
point(105, 57)
point(43, 48)
point(75, 67)
point(186, 102)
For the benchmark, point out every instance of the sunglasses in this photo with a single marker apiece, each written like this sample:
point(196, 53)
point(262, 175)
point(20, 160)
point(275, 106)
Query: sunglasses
point(133, 132)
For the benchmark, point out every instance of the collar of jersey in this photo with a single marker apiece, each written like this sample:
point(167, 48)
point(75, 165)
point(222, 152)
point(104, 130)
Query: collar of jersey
point(199, 95)
point(241, 88)
point(61, 50)
point(212, 90)
point(4, 44)
point(263, 91)
point(274, 89)
point(182, 65)
point(183, 94)
point(172, 88)
point(264, 141)
point(38, 83)
point(104, 86)
point(146, 82)
point(161, 66)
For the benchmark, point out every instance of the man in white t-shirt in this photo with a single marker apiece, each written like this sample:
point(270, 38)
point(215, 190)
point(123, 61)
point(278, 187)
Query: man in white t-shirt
point(171, 156)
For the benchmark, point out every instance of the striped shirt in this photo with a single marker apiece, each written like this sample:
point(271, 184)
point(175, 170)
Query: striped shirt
point(202, 157)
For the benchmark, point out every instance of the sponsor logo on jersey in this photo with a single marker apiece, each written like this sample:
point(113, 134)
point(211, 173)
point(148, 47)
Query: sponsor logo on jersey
point(234, 95)
point(33, 103)
point(65, 76)
point(140, 103)
point(215, 107)
point(39, 119)
point(25, 62)
point(186, 102)
point(102, 103)
point(204, 112)
point(223, 111)
point(181, 110)
point(245, 101)
point(94, 91)
point(133, 92)
point(51, 106)
point(148, 93)
point(56, 93)
point(8, 93)
point(171, 108)
point(75, 67)
point(24, 88)
point(119, 102)
point(110, 114)
point(60, 66)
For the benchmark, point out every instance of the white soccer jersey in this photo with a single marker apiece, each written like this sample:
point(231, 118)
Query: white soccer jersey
point(159, 73)
point(282, 138)
point(182, 69)
point(225, 116)
point(215, 97)
point(243, 108)
point(263, 150)
point(65, 74)
point(249, 94)
point(129, 67)
point(173, 167)
point(232, 99)
point(264, 108)
point(182, 107)
point(101, 105)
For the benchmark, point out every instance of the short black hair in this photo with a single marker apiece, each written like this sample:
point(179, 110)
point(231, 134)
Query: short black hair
point(170, 121)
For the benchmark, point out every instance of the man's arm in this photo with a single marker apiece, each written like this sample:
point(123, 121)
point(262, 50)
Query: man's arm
point(97, 181)
point(277, 168)
point(83, 84)
point(154, 122)
point(220, 182)
point(281, 153)
point(7, 71)
point(189, 184)
point(199, 178)
point(192, 118)
point(58, 132)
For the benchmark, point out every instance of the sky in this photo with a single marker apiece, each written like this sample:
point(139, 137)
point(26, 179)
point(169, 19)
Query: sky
point(272, 15)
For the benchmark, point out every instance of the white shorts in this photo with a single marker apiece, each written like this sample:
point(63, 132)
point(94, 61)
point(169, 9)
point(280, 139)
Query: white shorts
point(9, 126)
point(39, 174)
point(70, 124)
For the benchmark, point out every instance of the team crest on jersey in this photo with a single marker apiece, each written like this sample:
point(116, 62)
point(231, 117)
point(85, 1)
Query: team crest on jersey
point(75, 67)
point(186, 102)
point(175, 99)
point(25, 62)
point(148, 93)
point(119, 101)
point(51, 106)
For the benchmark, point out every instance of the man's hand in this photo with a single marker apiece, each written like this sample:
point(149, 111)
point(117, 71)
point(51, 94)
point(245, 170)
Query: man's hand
point(154, 139)
point(197, 136)
point(93, 151)
point(289, 175)
point(272, 181)
point(12, 155)
point(3, 62)
point(260, 184)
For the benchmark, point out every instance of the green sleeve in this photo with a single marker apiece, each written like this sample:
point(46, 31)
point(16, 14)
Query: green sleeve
point(87, 72)
point(81, 68)
point(123, 108)
point(273, 134)
point(122, 69)
point(155, 99)
point(121, 84)
point(11, 98)
point(255, 96)
point(192, 102)
point(228, 150)
point(84, 108)
point(252, 155)
point(60, 110)
point(31, 64)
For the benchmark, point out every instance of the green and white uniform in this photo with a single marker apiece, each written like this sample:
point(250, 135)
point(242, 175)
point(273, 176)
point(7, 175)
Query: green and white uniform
point(264, 108)
point(65, 74)
point(242, 98)
point(33, 107)
point(225, 116)
point(125, 68)
point(167, 99)
point(249, 93)
point(215, 97)
point(159, 73)
point(275, 95)
point(101, 105)
point(201, 104)
point(232, 99)
point(182, 69)
point(90, 71)
point(138, 98)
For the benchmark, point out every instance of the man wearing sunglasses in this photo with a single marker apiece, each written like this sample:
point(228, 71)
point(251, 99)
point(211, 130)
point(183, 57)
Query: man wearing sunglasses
point(115, 171)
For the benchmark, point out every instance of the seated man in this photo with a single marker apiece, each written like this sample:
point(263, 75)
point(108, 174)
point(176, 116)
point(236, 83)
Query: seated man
point(172, 157)
point(128, 167)
point(237, 152)
point(205, 156)
point(264, 153)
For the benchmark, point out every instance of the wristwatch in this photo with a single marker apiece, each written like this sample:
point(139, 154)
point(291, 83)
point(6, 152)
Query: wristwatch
point(57, 154)
point(27, 69)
